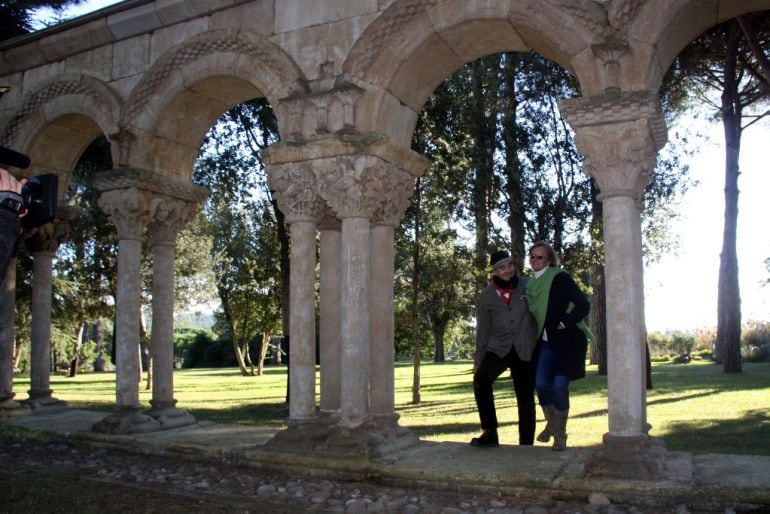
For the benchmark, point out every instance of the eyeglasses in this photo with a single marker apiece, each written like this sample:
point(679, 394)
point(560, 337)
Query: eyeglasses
point(537, 257)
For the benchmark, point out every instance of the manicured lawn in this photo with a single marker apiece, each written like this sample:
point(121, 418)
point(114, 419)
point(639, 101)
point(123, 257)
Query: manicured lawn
point(694, 407)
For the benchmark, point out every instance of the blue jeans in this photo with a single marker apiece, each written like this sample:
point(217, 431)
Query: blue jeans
point(552, 389)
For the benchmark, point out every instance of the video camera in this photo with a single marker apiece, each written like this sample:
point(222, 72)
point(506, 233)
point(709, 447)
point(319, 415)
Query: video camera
point(39, 196)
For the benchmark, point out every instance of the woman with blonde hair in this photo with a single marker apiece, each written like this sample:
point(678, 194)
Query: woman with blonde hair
point(560, 309)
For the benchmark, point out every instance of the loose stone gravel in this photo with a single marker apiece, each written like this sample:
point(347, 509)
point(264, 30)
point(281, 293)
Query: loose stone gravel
point(300, 494)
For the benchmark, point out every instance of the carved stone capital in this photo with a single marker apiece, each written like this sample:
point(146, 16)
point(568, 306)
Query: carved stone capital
point(47, 238)
point(398, 188)
point(132, 197)
point(171, 215)
point(296, 192)
point(353, 186)
point(619, 135)
point(130, 209)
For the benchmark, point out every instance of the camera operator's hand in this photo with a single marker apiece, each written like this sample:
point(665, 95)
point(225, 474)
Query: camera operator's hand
point(9, 183)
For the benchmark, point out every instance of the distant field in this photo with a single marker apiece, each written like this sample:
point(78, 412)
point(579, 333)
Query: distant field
point(694, 407)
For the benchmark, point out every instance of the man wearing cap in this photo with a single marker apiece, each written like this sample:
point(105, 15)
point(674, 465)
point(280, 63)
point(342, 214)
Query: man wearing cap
point(506, 336)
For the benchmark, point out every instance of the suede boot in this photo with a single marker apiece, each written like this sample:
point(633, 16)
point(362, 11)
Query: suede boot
point(560, 429)
point(487, 439)
point(547, 432)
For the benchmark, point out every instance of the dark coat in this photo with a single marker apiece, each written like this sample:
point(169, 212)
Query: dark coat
point(570, 343)
point(501, 327)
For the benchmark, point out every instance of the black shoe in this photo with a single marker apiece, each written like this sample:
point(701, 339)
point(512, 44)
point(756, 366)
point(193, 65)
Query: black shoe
point(488, 439)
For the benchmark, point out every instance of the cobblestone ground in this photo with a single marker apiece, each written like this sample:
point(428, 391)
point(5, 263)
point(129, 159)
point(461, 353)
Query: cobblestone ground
point(76, 476)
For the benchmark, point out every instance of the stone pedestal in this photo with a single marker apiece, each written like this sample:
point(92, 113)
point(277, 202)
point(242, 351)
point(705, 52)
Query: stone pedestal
point(633, 457)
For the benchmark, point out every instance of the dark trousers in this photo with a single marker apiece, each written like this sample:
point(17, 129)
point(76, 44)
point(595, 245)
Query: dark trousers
point(523, 375)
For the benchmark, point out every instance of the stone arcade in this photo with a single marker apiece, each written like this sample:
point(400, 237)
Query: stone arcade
point(347, 79)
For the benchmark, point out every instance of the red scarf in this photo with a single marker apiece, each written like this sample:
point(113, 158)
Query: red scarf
point(504, 294)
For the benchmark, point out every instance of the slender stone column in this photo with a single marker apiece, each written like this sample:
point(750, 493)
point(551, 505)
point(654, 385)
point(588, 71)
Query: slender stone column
point(171, 215)
point(399, 186)
point(619, 135)
point(43, 242)
point(297, 197)
point(8, 406)
point(130, 209)
point(330, 322)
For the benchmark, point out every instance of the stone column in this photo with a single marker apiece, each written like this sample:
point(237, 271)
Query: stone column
point(353, 187)
point(130, 209)
point(619, 135)
point(329, 317)
point(43, 242)
point(296, 193)
point(354, 175)
point(398, 186)
point(8, 406)
point(170, 217)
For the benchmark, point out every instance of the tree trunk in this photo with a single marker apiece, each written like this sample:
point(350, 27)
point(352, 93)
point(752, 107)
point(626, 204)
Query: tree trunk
point(482, 181)
point(728, 343)
point(233, 335)
point(76, 357)
point(513, 187)
point(263, 352)
point(438, 329)
point(97, 338)
point(416, 350)
point(598, 314)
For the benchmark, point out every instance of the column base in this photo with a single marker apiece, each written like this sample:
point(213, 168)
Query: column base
point(9, 408)
point(633, 457)
point(44, 402)
point(371, 440)
point(170, 417)
point(126, 421)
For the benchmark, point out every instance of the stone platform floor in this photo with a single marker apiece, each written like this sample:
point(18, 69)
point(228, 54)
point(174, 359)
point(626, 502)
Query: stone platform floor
point(692, 482)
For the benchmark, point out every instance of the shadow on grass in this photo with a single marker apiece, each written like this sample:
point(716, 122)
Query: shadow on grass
point(747, 435)
point(268, 415)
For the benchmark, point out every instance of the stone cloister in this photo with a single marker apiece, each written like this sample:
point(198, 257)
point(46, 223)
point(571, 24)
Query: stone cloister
point(347, 79)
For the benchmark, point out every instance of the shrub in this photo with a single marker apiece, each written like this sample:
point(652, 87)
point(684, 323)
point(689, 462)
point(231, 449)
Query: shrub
point(755, 341)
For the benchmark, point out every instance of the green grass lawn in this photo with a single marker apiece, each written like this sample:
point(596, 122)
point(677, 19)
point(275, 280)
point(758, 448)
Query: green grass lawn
point(694, 407)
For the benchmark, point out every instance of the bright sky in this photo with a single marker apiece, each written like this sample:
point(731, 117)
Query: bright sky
point(681, 290)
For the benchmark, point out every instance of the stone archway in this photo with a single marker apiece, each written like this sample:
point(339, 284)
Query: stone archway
point(347, 83)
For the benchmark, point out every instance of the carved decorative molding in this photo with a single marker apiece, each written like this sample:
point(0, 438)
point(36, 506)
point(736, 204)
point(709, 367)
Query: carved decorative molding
point(38, 99)
point(171, 215)
point(617, 107)
point(130, 210)
point(353, 186)
point(319, 113)
point(296, 191)
point(399, 188)
point(124, 178)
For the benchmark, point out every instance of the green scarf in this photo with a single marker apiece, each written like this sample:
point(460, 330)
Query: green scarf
point(538, 292)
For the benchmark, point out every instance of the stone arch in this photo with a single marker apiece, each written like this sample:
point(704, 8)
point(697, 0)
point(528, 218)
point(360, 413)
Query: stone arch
point(178, 100)
point(407, 52)
point(653, 29)
point(57, 122)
